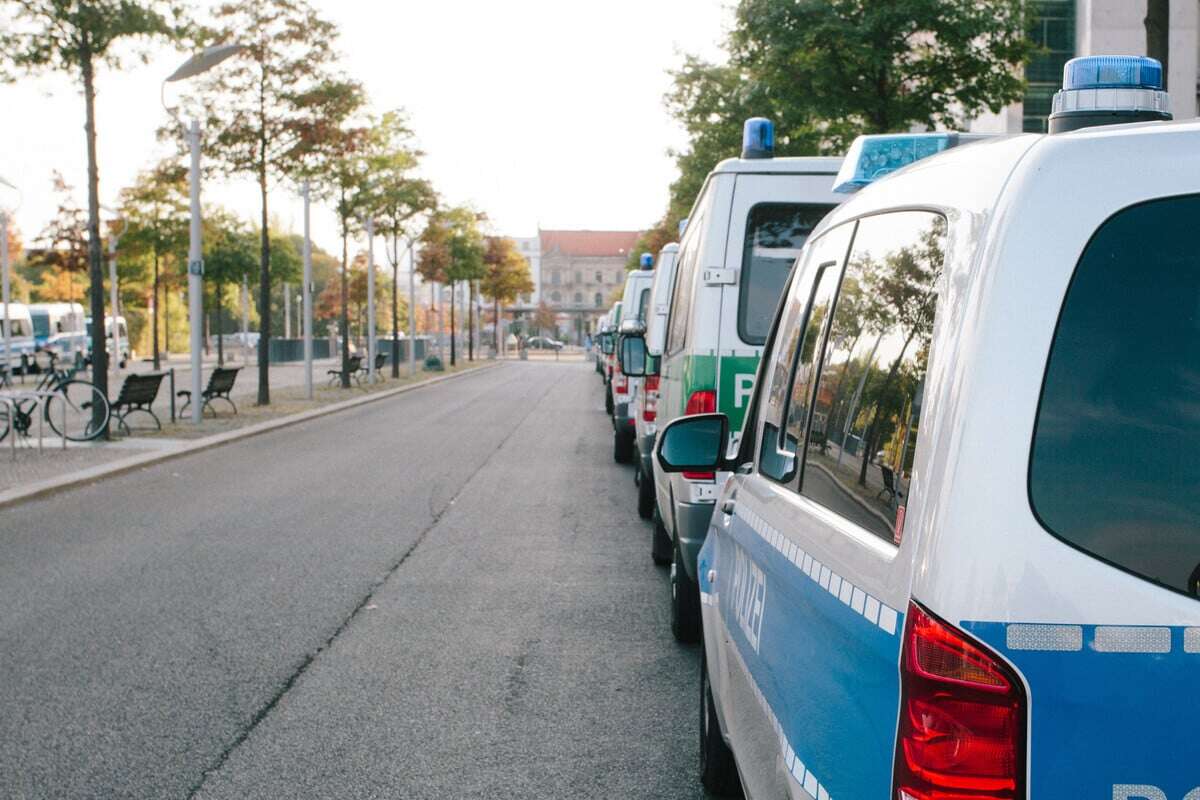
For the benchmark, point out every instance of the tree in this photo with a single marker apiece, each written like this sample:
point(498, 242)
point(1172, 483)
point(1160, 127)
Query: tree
point(229, 256)
point(828, 71)
point(452, 249)
point(506, 276)
point(76, 37)
point(398, 200)
point(63, 257)
point(544, 319)
point(271, 106)
point(156, 210)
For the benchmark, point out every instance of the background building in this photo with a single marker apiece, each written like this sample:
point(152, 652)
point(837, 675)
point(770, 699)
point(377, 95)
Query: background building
point(1070, 28)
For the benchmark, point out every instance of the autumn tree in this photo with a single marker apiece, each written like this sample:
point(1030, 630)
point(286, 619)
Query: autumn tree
point(398, 201)
point(544, 319)
point(452, 249)
point(61, 261)
point(270, 105)
point(505, 277)
point(77, 37)
point(156, 210)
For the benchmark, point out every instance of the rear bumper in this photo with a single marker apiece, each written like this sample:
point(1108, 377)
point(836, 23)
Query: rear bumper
point(691, 528)
point(622, 422)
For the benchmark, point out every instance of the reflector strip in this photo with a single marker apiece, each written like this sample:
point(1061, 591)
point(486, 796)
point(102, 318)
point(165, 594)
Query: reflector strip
point(1058, 638)
point(1191, 640)
point(1131, 639)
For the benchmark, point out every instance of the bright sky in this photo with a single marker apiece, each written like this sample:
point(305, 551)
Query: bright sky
point(539, 112)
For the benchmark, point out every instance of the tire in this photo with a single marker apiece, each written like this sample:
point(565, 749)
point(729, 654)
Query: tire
point(718, 770)
point(646, 498)
point(685, 602)
point(76, 400)
point(622, 447)
point(660, 542)
point(608, 401)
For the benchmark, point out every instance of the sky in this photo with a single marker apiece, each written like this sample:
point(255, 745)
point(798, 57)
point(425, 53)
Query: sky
point(538, 112)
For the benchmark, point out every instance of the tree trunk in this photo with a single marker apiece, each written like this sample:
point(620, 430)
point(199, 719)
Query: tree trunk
point(166, 320)
point(154, 335)
point(95, 256)
point(1158, 33)
point(453, 286)
point(470, 322)
point(496, 327)
point(344, 317)
point(264, 288)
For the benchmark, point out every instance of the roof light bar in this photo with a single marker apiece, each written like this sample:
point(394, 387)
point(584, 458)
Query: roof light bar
point(874, 156)
point(758, 138)
point(1107, 90)
point(647, 261)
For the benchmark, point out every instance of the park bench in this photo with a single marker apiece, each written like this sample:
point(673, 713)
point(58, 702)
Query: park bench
point(380, 362)
point(138, 393)
point(220, 384)
point(353, 368)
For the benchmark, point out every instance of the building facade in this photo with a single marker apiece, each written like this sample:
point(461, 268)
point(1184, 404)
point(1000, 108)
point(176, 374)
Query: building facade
point(1070, 28)
point(577, 274)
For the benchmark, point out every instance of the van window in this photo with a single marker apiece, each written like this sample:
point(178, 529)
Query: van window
point(867, 404)
point(775, 232)
point(685, 274)
point(791, 364)
point(1115, 467)
point(644, 305)
point(19, 328)
point(41, 323)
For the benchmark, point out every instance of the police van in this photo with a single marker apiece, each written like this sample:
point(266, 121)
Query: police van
point(608, 349)
point(959, 554)
point(748, 223)
point(16, 328)
point(645, 402)
point(635, 301)
point(59, 327)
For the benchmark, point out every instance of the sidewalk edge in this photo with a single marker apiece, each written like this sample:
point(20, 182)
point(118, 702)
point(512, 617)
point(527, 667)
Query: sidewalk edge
point(40, 489)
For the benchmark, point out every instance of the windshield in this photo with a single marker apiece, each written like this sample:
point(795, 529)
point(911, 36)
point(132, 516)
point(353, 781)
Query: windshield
point(775, 232)
point(1116, 453)
point(41, 323)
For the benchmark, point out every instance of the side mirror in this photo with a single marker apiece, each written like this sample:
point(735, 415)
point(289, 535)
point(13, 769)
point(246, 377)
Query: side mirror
point(633, 356)
point(693, 444)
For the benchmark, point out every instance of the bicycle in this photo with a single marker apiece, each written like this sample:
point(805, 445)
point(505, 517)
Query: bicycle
point(78, 407)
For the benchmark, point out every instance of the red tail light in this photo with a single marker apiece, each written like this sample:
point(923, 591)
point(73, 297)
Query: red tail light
point(702, 402)
point(962, 718)
point(650, 398)
point(621, 383)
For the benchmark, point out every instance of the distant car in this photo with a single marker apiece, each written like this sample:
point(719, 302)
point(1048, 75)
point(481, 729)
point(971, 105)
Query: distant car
point(543, 343)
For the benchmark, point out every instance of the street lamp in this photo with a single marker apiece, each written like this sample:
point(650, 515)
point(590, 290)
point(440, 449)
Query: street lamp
point(200, 62)
point(7, 288)
point(113, 241)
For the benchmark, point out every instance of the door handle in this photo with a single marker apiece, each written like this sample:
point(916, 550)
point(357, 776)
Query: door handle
point(728, 505)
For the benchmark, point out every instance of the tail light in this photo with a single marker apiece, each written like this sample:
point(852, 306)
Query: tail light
point(702, 402)
point(620, 383)
point(650, 398)
point(962, 718)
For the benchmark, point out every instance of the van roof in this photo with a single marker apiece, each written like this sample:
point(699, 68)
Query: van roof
point(814, 165)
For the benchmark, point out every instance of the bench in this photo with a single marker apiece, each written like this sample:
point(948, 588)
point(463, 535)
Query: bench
point(353, 368)
point(138, 393)
point(380, 362)
point(220, 384)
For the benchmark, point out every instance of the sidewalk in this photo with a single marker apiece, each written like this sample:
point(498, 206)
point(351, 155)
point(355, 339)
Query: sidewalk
point(287, 400)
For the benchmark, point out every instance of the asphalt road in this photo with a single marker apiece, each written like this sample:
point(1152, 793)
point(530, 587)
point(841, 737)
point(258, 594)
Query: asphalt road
point(446, 594)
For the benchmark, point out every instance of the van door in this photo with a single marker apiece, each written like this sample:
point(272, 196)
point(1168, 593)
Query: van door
point(810, 580)
point(772, 216)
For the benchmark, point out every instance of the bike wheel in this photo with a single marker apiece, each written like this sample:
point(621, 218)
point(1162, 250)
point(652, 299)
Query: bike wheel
point(78, 412)
point(5, 421)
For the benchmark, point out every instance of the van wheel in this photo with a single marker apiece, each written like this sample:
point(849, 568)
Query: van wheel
point(645, 495)
point(685, 603)
point(718, 771)
point(660, 543)
point(608, 401)
point(622, 447)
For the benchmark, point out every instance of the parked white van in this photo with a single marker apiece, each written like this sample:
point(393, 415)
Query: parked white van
point(645, 403)
point(18, 326)
point(635, 303)
point(959, 551)
point(751, 218)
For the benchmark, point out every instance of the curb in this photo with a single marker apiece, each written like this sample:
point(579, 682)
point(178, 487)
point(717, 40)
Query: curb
point(39, 489)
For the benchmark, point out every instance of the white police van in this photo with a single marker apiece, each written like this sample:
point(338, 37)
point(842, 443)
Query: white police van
point(18, 325)
point(59, 328)
point(608, 352)
point(959, 556)
point(635, 303)
point(645, 403)
point(748, 223)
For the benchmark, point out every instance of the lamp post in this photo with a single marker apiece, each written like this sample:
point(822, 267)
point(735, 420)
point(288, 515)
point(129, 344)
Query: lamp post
point(7, 287)
point(306, 293)
point(201, 62)
point(114, 240)
point(371, 299)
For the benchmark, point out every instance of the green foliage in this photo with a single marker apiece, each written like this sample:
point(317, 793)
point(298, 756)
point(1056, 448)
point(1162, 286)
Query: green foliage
point(433, 364)
point(452, 246)
point(828, 70)
point(156, 212)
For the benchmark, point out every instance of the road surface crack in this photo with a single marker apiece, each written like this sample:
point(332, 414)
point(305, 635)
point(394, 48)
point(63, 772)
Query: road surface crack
point(265, 710)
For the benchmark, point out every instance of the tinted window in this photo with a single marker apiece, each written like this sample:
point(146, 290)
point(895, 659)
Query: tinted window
point(1115, 468)
point(775, 232)
point(41, 323)
point(867, 404)
point(803, 319)
point(644, 305)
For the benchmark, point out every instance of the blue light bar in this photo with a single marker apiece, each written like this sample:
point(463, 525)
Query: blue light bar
point(1112, 72)
point(758, 138)
point(872, 157)
point(647, 261)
